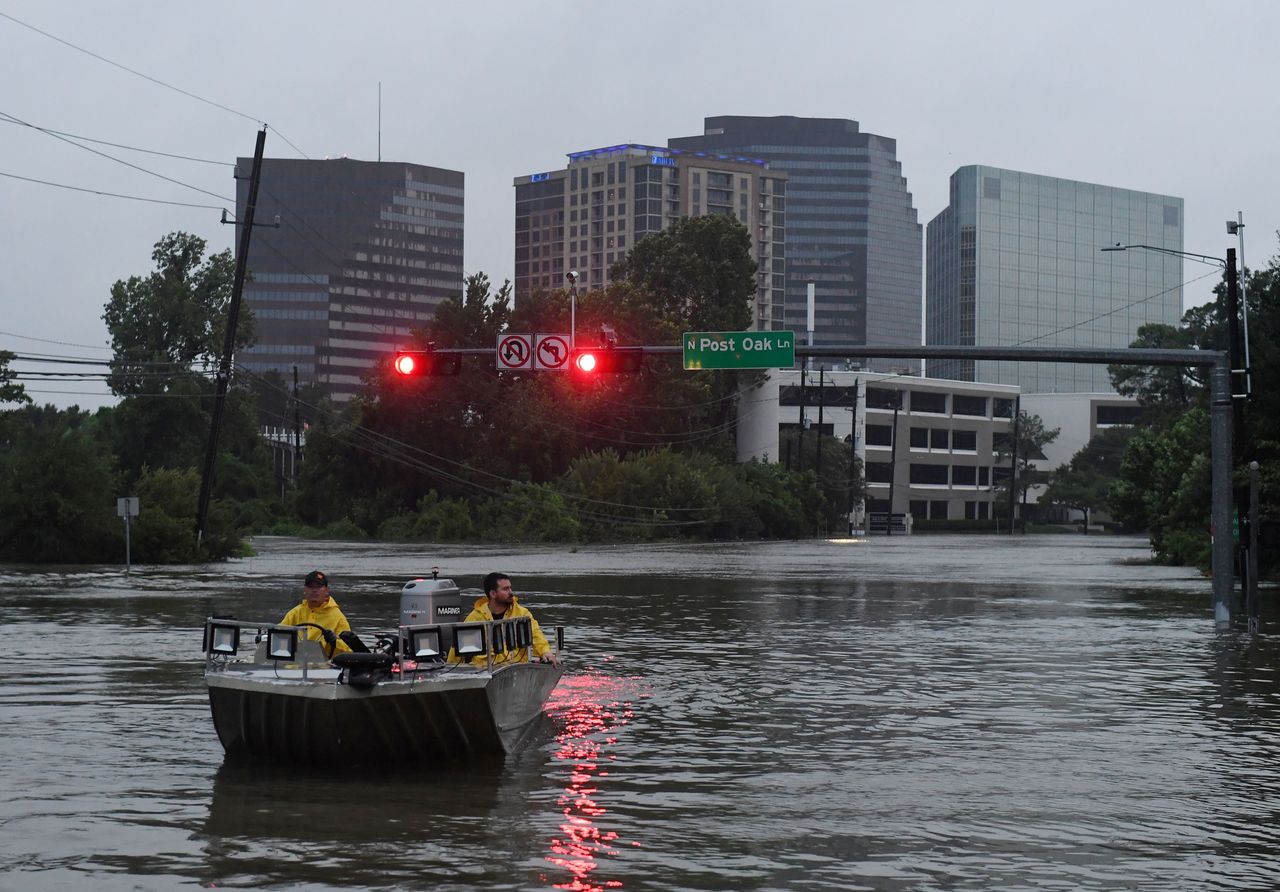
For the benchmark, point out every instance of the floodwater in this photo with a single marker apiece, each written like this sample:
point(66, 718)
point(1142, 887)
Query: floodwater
point(902, 713)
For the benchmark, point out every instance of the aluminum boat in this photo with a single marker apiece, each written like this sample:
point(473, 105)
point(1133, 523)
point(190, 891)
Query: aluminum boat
point(273, 694)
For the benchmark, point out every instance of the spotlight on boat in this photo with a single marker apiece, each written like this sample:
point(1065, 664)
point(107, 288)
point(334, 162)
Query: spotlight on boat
point(424, 644)
point(223, 638)
point(469, 640)
point(497, 638)
point(524, 632)
point(282, 644)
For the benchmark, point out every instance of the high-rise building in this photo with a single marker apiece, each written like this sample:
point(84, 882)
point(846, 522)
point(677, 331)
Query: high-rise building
point(588, 216)
point(365, 251)
point(1015, 260)
point(851, 229)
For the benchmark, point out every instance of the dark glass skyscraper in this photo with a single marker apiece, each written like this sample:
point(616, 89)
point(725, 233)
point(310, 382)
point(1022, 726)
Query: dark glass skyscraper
point(851, 228)
point(365, 252)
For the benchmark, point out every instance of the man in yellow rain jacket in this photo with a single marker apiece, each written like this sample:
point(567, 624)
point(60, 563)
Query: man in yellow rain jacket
point(317, 607)
point(498, 603)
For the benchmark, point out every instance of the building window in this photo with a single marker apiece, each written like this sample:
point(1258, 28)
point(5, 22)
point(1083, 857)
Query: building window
point(919, 438)
point(879, 471)
point(928, 401)
point(939, 510)
point(964, 441)
point(928, 475)
point(879, 435)
point(969, 405)
point(940, 438)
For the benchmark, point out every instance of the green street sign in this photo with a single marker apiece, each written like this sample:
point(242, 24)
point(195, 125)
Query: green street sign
point(739, 349)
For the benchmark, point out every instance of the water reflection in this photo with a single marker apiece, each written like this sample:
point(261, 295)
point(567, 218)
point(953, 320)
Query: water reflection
point(590, 709)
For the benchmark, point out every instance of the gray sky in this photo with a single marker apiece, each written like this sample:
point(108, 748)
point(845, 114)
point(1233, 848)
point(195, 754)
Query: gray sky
point(1174, 97)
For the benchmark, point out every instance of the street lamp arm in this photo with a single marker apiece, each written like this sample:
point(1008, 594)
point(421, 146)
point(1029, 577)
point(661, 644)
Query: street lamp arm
point(1201, 258)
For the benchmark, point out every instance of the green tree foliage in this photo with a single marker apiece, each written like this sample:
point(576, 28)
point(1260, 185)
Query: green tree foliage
point(58, 489)
point(1085, 482)
point(10, 390)
point(842, 483)
point(1169, 389)
point(1164, 487)
point(699, 274)
point(167, 510)
point(1032, 437)
point(174, 320)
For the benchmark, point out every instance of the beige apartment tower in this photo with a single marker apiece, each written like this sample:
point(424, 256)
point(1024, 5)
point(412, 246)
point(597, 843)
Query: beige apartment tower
point(586, 217)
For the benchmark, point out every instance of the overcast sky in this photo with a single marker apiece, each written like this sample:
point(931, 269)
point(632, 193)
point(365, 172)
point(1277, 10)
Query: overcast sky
point(1173, 97)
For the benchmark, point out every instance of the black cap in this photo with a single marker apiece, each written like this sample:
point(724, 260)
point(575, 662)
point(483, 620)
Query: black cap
point(315, 579)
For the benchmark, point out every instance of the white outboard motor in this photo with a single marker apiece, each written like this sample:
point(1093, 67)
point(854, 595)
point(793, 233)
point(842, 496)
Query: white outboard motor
point(431, 600)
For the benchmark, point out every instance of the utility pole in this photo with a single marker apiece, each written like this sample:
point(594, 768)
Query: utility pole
point(1013, 459)
point(297, 428)
point(893, 463)
point(228, 344)
point(1238, 387)
point(853, 451)
point(821, 402)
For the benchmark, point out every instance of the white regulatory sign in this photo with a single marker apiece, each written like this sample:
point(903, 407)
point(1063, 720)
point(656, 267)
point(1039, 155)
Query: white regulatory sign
point(551, 352)
point(515, 351)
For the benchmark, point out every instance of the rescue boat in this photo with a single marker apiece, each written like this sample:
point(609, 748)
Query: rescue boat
point(275, 695)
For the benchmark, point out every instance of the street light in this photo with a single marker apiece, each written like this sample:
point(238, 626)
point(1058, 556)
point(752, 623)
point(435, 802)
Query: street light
point(1226, 431)
point(572, 276)
point(1233, 305)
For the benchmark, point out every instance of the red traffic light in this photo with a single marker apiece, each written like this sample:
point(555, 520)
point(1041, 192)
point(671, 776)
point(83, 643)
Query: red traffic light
point(405, 363)
point(417, 363)
point(608, 360)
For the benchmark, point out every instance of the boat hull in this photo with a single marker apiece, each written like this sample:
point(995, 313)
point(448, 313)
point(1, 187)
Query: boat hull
point(318, 720)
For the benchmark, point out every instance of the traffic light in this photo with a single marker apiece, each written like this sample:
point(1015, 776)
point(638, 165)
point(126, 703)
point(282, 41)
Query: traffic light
point(607, 360)
point(419, 363)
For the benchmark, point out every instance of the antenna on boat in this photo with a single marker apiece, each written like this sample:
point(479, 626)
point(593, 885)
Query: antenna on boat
point(435, 572)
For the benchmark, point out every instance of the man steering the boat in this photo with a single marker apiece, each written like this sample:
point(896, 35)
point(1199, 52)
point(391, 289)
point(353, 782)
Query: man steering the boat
point(500, 603)
point(318, 609)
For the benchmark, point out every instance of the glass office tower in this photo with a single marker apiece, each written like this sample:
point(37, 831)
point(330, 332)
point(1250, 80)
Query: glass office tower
point(1015, 260)
point(851, 228)
point(364, 253)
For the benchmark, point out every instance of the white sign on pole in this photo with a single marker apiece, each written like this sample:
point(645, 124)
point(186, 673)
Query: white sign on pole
point(551, 352)
point(515, 352)
point(127, 507)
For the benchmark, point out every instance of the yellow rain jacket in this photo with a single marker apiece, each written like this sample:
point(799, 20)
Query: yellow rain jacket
point(328, 615)
point(481, 613)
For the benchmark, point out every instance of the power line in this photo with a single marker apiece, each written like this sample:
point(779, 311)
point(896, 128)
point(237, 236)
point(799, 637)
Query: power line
point(14, 334)
point(183, 204)
point(117, 145)
point(114, 158)
point(1118, 309)
point(153, 80)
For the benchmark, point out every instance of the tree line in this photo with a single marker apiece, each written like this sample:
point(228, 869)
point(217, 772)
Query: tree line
point(484, 456)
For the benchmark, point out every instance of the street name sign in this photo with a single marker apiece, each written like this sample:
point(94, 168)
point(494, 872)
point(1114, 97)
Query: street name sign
point(739, 349)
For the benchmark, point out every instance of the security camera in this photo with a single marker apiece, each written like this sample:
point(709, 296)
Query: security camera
point(572, 275)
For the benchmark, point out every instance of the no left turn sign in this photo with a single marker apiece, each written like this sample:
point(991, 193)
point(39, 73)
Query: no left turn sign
point(551, 352)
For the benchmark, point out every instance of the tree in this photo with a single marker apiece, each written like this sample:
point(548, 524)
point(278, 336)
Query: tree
point(10, 392)
point(1169, 388)
point(1085, 482)
point(1032, 437)
point(174, 319)
point(1164, 487)
point(698, 274)
point(57, 489)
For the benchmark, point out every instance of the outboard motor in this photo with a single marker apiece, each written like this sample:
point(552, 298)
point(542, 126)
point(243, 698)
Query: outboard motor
point(433, 600)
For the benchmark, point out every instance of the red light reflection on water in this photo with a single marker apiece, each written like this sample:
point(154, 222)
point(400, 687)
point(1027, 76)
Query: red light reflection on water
point(588, 709)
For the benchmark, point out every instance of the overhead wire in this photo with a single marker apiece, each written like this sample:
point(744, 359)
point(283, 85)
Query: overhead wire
point(129, 164)
point(378, 443)
point(153, 80)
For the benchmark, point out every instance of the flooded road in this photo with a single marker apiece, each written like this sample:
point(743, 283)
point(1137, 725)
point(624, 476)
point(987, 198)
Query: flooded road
point(926, 712)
